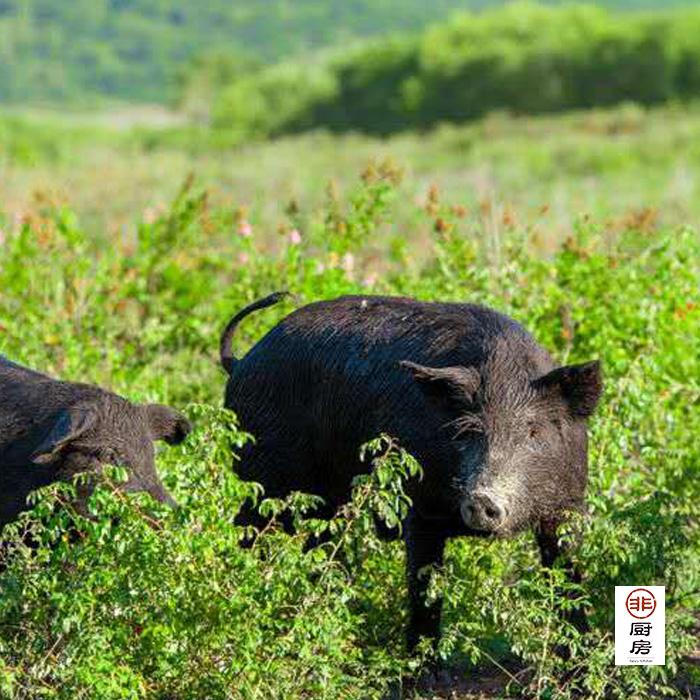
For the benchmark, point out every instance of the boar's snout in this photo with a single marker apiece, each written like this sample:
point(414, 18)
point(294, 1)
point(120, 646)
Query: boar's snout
point(160, 494)
point(168, 500)
point(152, 486)
point(483, 511)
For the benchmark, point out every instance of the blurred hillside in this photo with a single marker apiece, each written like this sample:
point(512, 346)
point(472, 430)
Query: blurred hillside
point(133, 49)
point(521, 58)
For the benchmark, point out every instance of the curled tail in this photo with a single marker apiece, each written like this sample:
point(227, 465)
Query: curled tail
point(225, 350)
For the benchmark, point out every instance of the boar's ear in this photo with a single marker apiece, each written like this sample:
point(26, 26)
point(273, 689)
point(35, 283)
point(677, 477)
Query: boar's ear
point(65, 427)
point(167, 424)
point(451, 384)
point(579, 385)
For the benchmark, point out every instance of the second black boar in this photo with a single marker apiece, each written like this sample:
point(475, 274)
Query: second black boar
point(51, 430)
point(499, 430)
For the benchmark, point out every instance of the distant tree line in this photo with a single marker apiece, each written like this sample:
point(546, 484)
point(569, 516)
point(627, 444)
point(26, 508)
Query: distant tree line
point(75, 50)
point(524, 58)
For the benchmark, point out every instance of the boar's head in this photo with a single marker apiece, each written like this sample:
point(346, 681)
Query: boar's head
point(108, 429)
point(520, 436)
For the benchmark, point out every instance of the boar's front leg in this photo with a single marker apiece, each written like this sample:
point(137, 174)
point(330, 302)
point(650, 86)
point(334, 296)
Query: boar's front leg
point(550, 551)
point(425, 544)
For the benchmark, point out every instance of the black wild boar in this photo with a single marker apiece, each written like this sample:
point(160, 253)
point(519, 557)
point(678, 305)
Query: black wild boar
point(499, 430)
point(52, 430)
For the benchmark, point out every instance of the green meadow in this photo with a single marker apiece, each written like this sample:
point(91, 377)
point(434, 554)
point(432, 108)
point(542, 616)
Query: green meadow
point(124, 249)
point(543, 172)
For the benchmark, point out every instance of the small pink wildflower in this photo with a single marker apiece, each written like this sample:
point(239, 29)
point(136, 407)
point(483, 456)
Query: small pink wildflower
point(294, 237)
point(2, 236)
point(243, 258)
point(320, 268)
point(245, 229)
point(370, 280)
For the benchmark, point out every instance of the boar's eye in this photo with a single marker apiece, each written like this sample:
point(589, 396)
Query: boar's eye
point(544, 432)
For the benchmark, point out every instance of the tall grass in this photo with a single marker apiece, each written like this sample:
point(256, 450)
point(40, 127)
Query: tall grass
point(625, 166)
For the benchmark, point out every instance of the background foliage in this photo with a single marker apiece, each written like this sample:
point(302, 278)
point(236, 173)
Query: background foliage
point(139, 49)
point(523, 58)
point(131, 48)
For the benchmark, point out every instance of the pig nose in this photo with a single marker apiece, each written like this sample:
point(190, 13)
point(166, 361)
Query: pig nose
point(482, 511)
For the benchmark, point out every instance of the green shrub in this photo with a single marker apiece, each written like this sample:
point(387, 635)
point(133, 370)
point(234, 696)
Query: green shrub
point(523, 57)
point(279, 99)
point(161, 604)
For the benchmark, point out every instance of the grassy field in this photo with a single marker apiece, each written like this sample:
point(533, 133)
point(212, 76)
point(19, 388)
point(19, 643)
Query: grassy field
point(616, 166)
point(584, 228)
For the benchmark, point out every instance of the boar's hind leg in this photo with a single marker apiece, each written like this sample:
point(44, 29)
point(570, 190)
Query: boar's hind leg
point(550, 551)
point(425, 544)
